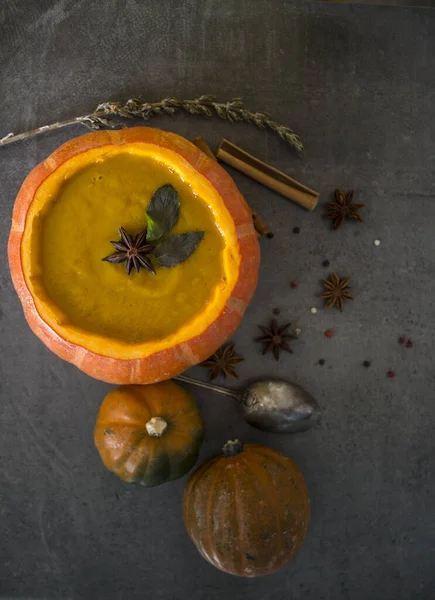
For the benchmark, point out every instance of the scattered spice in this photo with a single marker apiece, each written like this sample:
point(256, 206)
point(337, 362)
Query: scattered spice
point(223, 361)
point(296, 229)
point(328, 333)
point(294, 284)
point(132, 251)
point(326, 263)
point(322, 361)
point(367, 364)
point(276, 311)
point(391, 374)
point(377, 242)
point(260, 226)
point(313, 310)
point(298, 331)
point(276, 338)
point(343, 207)
point(402, 339)
point(336, 291)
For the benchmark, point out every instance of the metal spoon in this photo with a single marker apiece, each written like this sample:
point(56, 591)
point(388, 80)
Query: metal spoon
point(271, 405)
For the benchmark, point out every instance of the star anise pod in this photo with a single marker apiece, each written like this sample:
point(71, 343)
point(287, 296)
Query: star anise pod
point(133, 251)
point(223, 361)
point(343, 207)
point(276, 338)
point(336, 291)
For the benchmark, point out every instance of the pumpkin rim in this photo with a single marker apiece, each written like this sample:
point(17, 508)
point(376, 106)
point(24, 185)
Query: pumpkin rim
point(92, 339)
point(171, 361)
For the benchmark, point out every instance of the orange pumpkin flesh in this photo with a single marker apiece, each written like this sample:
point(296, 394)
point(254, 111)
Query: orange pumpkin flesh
point(247, 514)
point(116, 354)
point(149, 434)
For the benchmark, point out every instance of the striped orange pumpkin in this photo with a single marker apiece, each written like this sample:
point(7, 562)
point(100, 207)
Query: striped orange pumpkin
point(247, 510)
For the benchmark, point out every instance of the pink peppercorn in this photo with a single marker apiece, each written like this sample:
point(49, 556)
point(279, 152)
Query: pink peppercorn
point(294, 284)
point(409, 344)
point(391, 374)
point(402, 340)
point(328, 333)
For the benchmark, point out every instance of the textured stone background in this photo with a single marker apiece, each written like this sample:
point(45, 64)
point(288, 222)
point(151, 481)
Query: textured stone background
point(420, 3)
point(358, 84)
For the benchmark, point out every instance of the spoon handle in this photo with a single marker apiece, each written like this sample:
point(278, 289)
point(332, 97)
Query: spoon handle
point(208, 386)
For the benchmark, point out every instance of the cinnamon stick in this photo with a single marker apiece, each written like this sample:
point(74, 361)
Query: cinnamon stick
point(202, 145)
point(260, 226)
point(269, 176)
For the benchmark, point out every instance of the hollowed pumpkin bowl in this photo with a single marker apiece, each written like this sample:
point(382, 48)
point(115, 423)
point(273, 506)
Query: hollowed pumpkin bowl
point(137, 328)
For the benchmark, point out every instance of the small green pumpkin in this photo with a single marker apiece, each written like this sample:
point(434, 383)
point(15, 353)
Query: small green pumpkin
point(149, 434)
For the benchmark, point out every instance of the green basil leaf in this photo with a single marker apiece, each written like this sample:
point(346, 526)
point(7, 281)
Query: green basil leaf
point(177, 248)
point(163, 212)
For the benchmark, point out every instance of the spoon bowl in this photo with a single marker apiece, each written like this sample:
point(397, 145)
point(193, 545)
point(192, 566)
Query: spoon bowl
point(279, 406)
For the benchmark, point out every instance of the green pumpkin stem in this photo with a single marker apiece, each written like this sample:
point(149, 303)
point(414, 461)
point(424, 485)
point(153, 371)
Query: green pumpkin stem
point(232, 448)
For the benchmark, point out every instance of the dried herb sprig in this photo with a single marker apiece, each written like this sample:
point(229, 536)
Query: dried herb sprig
point(206, 105)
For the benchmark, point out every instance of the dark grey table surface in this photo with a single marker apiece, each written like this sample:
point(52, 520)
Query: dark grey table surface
point(420, 3)
point(358, 84)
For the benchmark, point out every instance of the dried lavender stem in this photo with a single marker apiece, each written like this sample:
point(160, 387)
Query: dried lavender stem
point(10, 138)
point(205, 105)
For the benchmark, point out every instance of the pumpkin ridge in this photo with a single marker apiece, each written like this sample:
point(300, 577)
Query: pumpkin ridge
point(125, 425)
point(187, 436)
point(126, 445)
point(141, 471)
point(133, 410)
point(192, 486)
point(171, 463)
point(273, 503)
point(299, 486)
point(130, 448)
point(210, 502)
point(239, 516)
point(193, 481)
point(157, 468)
point(283, 461)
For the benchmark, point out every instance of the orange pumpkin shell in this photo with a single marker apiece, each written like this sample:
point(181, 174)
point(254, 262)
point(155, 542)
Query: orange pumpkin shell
point(247, 514)
point(166, 363)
